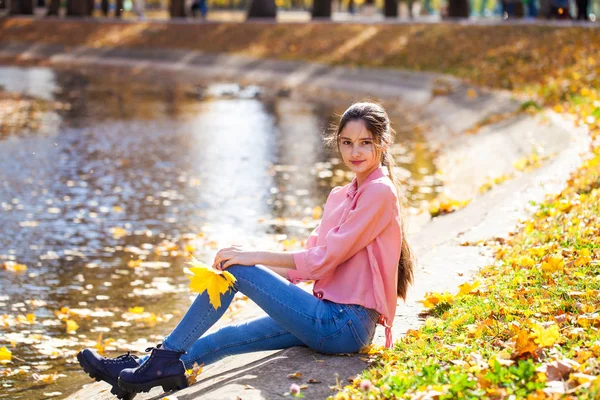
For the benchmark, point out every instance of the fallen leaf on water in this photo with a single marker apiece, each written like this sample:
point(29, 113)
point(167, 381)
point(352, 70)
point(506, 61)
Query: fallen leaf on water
point(14, 267)
point(72, 326)
point(5, 355)
point(118, 232)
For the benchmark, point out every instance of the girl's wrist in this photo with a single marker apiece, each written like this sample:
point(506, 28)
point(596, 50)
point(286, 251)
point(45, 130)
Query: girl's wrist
point(257, 257)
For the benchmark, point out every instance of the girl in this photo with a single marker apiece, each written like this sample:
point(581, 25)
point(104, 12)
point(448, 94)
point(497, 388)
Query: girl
point(357, 256)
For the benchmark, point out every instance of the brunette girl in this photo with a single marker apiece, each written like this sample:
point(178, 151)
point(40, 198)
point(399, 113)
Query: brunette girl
point(358, 257)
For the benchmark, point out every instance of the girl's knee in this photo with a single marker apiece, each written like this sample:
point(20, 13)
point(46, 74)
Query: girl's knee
point(235, 269)
point(241, 270)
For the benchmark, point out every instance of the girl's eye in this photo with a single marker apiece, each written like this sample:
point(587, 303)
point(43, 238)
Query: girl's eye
point(366, 142)
point(346, 142)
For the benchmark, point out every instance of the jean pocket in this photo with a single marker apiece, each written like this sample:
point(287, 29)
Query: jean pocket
point(366, 317)
point(344, 340)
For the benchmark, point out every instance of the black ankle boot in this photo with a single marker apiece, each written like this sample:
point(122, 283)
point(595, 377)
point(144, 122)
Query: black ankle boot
point(107, 369)
point(162, 368)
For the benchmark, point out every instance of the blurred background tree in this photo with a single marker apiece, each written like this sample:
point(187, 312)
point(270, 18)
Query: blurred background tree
point(21, 7)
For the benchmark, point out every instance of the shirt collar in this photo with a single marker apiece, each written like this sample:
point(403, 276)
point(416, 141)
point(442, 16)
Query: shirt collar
point(353, 187)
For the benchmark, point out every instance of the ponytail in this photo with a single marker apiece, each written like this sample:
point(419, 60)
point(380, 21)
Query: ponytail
point(406, 263)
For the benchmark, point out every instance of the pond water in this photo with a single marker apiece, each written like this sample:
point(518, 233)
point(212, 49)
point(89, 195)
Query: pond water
point(107, 201)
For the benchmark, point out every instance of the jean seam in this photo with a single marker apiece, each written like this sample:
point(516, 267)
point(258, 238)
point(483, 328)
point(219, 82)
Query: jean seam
point(197, 326)
point(239, 343)
point(356, 313)
point(284, 304)
point(357, 339)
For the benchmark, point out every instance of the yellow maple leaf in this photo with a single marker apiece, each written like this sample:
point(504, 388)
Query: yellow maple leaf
point(524, 343)
point(214, 282)
point(585, 257)
point(524, 261)
point(433, 299)
point(546, 337)
point(467, 288)
point(5, 354)
point(136, 310)
point(553, 264)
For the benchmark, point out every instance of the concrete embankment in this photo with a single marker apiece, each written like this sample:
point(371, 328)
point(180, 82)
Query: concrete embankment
point(446, 247)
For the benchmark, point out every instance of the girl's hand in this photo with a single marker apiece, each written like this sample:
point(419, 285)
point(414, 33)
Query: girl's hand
point(233, 255)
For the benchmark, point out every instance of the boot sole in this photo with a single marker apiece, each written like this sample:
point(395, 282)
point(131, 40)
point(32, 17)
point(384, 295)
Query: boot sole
point(99, 376)
point(169, 384)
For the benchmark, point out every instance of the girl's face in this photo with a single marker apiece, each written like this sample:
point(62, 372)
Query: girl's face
point(358, 149)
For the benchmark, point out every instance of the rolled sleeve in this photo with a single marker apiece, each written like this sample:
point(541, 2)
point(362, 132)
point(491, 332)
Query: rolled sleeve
point(373, 213)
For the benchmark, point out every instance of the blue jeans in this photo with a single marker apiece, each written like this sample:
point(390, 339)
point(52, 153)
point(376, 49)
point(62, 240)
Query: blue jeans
point(295, 318)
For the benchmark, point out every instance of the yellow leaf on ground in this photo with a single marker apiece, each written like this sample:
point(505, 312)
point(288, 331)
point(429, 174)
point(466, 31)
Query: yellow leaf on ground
point(206, 279)
point(136, 310)
point(524, 343)
point(467, 288)
point(432, 299)
point(546, 337)
point(553, 264)
point(193, 373)
point(584, 258)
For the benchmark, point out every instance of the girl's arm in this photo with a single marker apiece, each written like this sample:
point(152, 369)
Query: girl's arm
point(279, 271)
point(283, 259)
point(236, 255)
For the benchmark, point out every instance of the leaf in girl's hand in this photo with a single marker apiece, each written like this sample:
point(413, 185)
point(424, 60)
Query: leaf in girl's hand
point(206, 279)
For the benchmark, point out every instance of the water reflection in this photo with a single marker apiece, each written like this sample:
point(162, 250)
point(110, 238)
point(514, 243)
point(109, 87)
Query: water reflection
point(135, 174)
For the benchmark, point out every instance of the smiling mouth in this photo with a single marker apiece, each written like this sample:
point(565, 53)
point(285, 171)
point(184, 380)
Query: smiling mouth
point(356, 162)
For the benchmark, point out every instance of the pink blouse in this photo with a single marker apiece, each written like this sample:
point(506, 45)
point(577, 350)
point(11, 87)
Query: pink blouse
point(353, 254)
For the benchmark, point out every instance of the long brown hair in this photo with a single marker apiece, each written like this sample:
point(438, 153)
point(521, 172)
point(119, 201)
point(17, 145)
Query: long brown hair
point(378, 124)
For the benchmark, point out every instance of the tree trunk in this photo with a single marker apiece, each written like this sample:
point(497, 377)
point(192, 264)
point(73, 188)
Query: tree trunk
point(2, 4)
point(21, 7)
point(321, 9)
point(458, 8)
point(118, 8)
point(390, 9)
point(104, 7)
point(177, 8)
point(262, 9)
point(53, 7)
point(78, 8)
point(90, 9)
